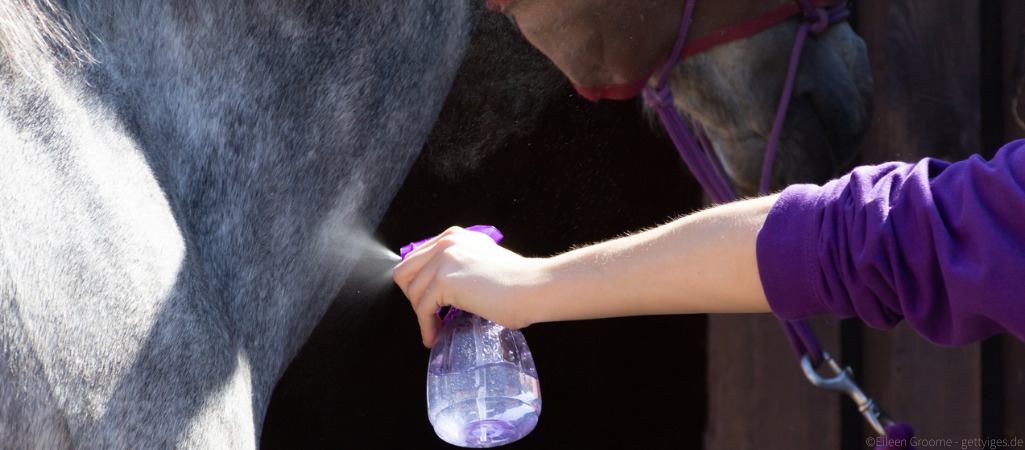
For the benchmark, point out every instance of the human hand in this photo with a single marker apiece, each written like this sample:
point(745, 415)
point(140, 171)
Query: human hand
point(466, 270)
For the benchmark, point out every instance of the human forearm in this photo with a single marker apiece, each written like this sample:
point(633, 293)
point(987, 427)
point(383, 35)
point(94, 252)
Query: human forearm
point(701, 263)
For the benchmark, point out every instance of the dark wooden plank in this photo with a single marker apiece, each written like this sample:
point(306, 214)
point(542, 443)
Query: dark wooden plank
point(925, 57)
point(1013, 34)
point(935, 389)
point(1014, 388)
point(1013, 111)
point(758, 396)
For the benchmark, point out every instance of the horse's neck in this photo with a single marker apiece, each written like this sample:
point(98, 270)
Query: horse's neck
point(199, 181)
point(257, 144)
point(234, 122)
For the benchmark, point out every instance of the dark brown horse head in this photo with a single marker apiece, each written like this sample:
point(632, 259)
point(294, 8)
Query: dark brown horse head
point(729, 91)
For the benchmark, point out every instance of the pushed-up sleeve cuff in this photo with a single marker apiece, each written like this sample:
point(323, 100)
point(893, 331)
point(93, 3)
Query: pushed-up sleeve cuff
point(787, 255)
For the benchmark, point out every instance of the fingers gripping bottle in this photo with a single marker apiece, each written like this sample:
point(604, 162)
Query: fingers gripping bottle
point(482, 387)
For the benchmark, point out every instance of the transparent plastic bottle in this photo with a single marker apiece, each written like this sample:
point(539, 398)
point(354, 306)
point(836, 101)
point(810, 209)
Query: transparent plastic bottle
point(482, 387)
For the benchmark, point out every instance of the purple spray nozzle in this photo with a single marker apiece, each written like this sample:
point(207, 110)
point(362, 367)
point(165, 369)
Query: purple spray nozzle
point(489, 230)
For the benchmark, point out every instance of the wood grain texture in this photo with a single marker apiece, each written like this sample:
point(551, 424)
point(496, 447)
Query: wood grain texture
point(758, 396)
point(925, 63)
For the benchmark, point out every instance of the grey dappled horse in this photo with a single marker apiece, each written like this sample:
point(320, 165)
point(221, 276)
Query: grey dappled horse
point(175, 206)
point(516, 148)
point(180, 186)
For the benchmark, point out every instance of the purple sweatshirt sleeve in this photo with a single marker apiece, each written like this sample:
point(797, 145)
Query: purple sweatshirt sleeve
point(940, 245)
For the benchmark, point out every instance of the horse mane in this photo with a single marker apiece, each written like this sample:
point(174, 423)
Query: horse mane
point(34, 32)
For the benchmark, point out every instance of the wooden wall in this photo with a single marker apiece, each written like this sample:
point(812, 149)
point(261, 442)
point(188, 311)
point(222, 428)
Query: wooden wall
point(947, 73)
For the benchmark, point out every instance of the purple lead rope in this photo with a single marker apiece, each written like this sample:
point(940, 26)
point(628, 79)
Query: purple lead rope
point(660, 98)
point(708, 170)
point(706, 166)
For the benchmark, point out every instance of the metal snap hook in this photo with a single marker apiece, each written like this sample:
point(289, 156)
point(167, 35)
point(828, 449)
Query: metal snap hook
point(843, 382)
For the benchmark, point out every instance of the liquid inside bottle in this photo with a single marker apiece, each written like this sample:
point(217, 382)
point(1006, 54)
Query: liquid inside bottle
point(482, 387)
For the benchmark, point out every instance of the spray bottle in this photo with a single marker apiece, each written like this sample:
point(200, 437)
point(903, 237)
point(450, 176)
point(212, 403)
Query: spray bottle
point(482, 386)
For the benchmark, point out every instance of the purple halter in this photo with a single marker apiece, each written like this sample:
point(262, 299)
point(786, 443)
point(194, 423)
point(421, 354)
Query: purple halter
point(708, 170)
